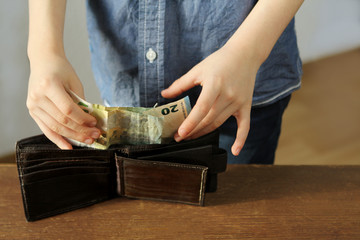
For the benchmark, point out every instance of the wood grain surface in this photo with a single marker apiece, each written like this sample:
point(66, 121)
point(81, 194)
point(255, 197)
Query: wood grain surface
point(321, 124)
point(252, 202)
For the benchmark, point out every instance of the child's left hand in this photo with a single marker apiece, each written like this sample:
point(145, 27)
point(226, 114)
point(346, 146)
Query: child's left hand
point(227, 78)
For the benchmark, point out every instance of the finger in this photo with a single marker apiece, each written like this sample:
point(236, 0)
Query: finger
point(69, 108)
point(59, 129)
point(64, 120)
point(202, 107)
point(218, 113)
point(181, 85)
point(243, 122)
point(52, 136)
point(219, 119)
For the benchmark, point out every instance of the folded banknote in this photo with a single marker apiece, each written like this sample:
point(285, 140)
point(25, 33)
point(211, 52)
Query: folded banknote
point(134, 125)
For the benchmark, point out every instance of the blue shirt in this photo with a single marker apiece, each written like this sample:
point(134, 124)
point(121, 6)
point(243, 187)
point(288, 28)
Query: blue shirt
point(139, 48)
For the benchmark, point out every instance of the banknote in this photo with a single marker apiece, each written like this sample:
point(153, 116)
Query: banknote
point(134, 125)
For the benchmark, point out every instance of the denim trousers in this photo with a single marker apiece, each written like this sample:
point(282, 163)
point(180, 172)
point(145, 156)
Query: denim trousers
point(262, 140)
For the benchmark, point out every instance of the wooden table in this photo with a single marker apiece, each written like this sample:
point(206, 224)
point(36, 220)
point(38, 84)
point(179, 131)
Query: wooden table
point(260, 202)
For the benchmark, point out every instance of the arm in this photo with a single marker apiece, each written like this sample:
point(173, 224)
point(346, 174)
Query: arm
point(228, 75)
point(51, 75)
point(263, 27)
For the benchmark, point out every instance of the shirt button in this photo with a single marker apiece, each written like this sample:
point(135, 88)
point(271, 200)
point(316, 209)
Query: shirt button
point(151, 55)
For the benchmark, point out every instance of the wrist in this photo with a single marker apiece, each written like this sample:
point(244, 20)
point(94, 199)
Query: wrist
point(245, 51)
point(37, 52)
point(258, 34)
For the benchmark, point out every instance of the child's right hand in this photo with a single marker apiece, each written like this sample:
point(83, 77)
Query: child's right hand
point(51, 106)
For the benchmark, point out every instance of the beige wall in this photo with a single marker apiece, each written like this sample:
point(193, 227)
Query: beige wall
point(324, 27)
point(327, 27)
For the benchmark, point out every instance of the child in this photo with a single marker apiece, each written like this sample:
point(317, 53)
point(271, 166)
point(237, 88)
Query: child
point(238, 60)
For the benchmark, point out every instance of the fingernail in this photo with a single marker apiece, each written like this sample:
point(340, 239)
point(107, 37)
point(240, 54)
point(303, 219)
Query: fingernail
point(88, 141)
point(65, 147)
point(177, 137)
point(182, 132)
point(95, 134)
point(237, 151)
point(164, 92)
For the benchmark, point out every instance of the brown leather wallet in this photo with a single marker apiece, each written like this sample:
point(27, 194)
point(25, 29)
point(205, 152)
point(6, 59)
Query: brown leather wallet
point(55, 181)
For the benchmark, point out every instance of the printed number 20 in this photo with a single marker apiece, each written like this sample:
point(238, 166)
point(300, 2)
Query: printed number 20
point(166, 111)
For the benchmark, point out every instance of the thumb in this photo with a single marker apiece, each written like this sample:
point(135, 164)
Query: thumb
point(181, 85)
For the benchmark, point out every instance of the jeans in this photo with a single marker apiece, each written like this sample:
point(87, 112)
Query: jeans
point(262, 140)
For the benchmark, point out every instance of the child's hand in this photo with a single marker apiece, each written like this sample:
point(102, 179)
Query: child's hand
point(227, 79)
point(51, 106)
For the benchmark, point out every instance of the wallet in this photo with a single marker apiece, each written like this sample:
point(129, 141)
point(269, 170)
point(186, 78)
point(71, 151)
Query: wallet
point(54, 181)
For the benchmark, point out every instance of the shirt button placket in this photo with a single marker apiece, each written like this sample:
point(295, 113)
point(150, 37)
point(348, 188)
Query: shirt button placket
point(151, 40)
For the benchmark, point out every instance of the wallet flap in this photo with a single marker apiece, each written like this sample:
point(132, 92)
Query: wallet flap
point(210, 156)
point(165, 181)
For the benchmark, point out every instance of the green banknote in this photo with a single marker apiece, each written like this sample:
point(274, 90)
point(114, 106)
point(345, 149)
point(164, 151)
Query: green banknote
point(134, 125)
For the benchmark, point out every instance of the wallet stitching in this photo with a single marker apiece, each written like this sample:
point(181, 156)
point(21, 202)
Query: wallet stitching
point(49, 178)
point(168, 164)
point(164, 200)
point(45, 166)
point(203, 170)
point(25, 158)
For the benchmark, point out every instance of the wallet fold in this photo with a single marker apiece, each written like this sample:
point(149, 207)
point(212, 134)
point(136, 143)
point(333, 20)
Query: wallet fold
point(55, 181)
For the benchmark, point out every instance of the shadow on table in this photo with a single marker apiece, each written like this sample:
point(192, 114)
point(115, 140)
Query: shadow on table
point(243, 183)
